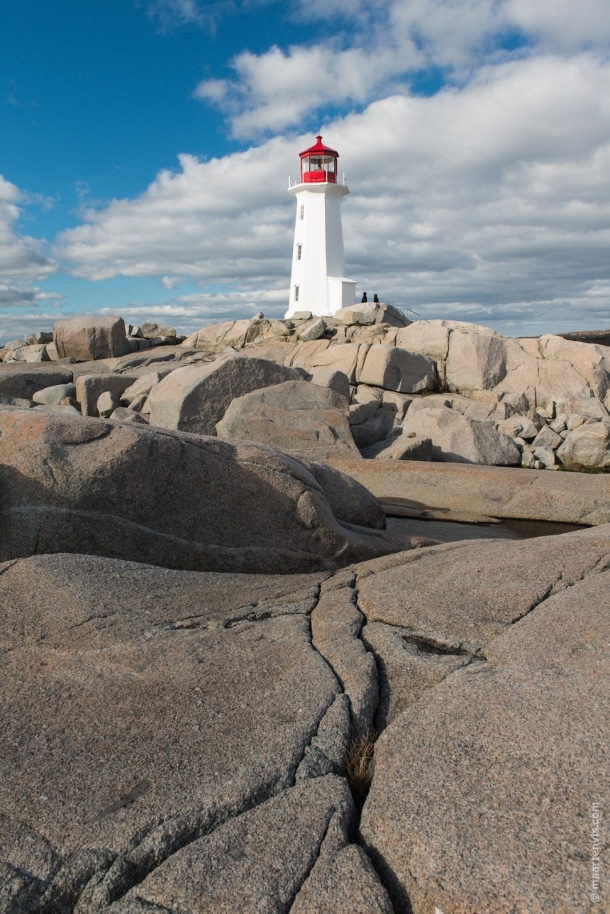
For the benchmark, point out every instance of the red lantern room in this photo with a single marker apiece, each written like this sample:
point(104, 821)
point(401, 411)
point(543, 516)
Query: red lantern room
point(319, 164)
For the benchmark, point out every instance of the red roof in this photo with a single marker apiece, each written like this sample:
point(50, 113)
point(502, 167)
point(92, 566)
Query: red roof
point(319, 146)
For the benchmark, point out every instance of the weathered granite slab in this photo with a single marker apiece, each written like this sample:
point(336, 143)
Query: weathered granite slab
point(484, 789)
point(142, 709)
point(466, 492)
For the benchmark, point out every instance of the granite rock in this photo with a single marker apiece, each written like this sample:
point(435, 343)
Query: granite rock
point(196, 397)
point(518, 757)
point(89, 338)
point(183, 501)
point(297, 416)
point(458, 439)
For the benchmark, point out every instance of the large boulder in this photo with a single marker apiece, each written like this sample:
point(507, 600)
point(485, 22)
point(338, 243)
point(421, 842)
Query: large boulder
point(522, 373)
point(345, 357)
point(559, 381)
point(22, 383)
point(429, 338)
point(90, 387)
point(592, 362)
point(35, 353)
point(486, 781)
point(195, 398)
point(182, 501)
point(476, 361)
point(460, 439)
point(87, 338)
point(395, 369)
point(588, 407)
point(586, 447)
point(296, 416)
point(367, 313)
point(158, 729)
point(53, 396)
point(236, 334)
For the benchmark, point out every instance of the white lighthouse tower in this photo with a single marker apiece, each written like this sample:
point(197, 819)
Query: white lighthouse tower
point(317, 283)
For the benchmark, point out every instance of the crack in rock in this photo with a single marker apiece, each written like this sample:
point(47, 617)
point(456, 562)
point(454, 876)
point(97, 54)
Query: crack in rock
point(428, 645)
point(259, 612)
point(326, 752)
point(562, 583)
point(336, 625)
point(266, 871)
point(125, 871)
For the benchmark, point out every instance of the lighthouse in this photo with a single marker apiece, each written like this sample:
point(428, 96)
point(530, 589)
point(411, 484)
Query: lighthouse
point(317, 282)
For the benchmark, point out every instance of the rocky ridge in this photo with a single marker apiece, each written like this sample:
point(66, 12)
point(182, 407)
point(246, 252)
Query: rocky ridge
point(227, 688)
point(178, 741)
point(427, 390)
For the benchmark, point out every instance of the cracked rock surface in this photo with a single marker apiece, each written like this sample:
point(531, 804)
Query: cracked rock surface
point(175, 742)
point(483, 788)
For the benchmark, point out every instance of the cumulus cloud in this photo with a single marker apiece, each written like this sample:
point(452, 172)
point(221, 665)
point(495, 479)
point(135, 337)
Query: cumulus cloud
point(276, 89)
point(19, 296)
point(21, 257)
point(223, 221)
point(561, 24)
point(194, 310)
point(381, 48)
point(488, 201)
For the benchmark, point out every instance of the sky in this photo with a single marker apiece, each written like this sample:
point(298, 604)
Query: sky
point(146, 147)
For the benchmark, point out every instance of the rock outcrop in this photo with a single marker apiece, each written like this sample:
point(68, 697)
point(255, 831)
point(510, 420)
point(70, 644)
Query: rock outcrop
point(154, 723)
point(178, 500)
point(389, 368)
point(196, 397)
point(83, 338)
point(491, 797)
point(210, 650)
point(296, 416)
point(457, 439)
point(467, 492)
point(179, 741)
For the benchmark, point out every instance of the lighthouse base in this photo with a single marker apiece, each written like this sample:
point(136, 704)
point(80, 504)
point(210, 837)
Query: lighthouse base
point(340, 293)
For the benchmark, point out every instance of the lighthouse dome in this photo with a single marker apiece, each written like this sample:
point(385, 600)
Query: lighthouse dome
point(319, 163)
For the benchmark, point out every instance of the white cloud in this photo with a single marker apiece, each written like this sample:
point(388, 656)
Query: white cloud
point(21, 257)
point(276, 89)
point(562, 24)
point(489, 201)
point(380, 48)
point(170, 282)
point(14, 295)
point(221, 221)
point(189, 312)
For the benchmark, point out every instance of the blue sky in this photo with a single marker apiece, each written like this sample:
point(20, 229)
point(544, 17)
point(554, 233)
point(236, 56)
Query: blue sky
point(146, 145)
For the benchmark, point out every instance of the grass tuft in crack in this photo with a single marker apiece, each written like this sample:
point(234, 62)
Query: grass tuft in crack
point(359, 765)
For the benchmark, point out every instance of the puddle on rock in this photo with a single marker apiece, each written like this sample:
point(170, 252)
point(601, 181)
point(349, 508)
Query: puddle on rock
point(452, 531)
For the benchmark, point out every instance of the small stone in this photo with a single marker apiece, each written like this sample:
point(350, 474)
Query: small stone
point(545, 456)
point(52, 396)
point(107, 403)
point(315, 331)
point(546, 438)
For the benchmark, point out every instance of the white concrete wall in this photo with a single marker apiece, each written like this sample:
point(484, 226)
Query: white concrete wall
point(319, 232)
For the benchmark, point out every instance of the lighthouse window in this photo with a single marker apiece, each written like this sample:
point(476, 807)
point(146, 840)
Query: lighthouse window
point(296, 293)
point(299, 247)
point(302, 211)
